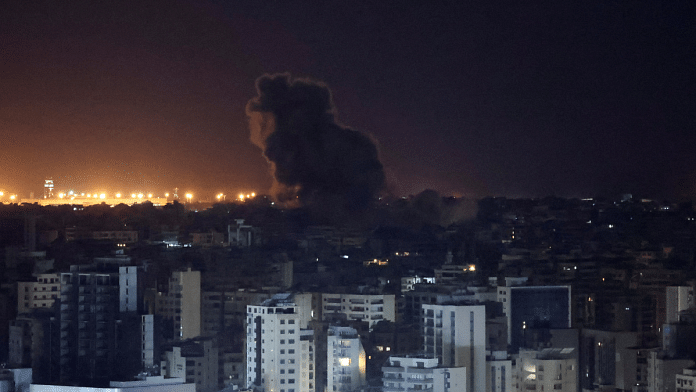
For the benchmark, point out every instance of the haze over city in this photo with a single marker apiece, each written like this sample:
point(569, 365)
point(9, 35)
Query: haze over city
point(516, 100)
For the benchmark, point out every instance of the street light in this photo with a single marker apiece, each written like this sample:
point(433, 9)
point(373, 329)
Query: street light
point(188, 197)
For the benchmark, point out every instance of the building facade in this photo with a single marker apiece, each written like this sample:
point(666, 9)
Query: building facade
point(345, 359)
point(456, 336)
point(422, 373)
point(280, 350)
point(370, 308)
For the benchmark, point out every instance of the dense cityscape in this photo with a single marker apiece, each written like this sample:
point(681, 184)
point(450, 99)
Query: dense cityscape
point(347, 196)
point(517, 294)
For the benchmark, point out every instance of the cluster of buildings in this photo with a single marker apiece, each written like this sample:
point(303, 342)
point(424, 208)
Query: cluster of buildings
point(547, 295)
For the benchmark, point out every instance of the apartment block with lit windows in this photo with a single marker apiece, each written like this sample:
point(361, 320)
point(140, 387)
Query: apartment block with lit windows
point(370, 308)
point(39, 294)
point(345, 359)
point(280, 349)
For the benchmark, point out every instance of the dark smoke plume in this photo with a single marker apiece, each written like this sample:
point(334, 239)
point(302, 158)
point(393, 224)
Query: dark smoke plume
point(315, 161)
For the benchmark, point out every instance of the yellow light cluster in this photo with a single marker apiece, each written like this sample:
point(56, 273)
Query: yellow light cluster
point(243, 196)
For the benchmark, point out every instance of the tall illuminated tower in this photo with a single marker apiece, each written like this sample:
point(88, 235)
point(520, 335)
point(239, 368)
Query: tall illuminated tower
point(345, 360)
point(48, 188)
point(280, 351)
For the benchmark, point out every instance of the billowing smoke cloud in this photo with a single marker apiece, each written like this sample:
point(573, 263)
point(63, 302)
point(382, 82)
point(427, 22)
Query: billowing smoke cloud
point(428, 207)
point(314, 160)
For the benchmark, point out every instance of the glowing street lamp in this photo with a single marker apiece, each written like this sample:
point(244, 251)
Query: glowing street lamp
point(118, 195)
point(149, 195)
point(188, 197)
point(133, 195)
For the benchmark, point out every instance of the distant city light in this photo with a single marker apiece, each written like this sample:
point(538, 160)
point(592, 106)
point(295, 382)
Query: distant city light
point(166, 195)
point(149, 195)
point(102, 196)
point(140, 195)
point(118, 195)
point(61, 195)
point(133, 195)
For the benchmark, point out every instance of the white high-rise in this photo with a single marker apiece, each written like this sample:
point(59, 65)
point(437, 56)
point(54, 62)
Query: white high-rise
point(418, 373)
point(280, 350)
point(345, 360)
point(370, 308)
point(456, 335)
point(678, 298)
point(182, 305)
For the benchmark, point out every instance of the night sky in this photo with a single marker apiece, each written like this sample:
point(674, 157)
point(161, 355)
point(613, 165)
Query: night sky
point(573, 99)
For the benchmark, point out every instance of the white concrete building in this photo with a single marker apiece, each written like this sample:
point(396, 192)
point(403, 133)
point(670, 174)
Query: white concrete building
point(39, 294)
point(280, 349)
point(456, 336)
point(195, 361)
point(678, 298)
point(147, 340)
point(499, 372)
point(15, 380)
point(128, 288)
point(686, 381)
point(183, 303)
point(663, 371)
point(552, 369)
point(150, 384)
point(413, 373)
point(371, 308)
point(345, 360)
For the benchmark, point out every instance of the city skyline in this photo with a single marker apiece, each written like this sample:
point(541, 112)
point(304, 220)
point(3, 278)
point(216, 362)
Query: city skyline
point(571, 100)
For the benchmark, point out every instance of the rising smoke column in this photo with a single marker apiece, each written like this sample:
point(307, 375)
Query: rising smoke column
point(315, 161)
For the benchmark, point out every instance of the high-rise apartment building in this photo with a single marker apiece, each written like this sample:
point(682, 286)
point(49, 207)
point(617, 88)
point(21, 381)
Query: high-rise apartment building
point(39, 294)
point(280, 349)
point(196, 361)
point(456, 336)
point(678, 298)
point(95, 339)
point(370, 308)
point(499, 372)
point(182, 304)
point(418, 373)
point(529, 307)
point(345, 359)
point(552, 369)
